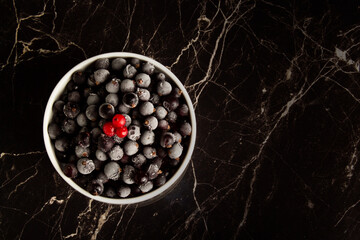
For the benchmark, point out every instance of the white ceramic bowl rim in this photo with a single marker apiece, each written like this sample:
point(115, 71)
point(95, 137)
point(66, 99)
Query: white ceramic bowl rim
point(50, 149)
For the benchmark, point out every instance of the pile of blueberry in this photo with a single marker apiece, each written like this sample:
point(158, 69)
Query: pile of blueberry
point(120, 128)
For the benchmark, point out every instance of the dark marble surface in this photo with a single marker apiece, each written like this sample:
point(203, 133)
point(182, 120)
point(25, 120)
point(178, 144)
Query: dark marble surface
point(276, 88)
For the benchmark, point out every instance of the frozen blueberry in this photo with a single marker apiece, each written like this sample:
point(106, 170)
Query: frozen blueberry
point(112, 98)
point(146, 108)
point(69, 170)
point(69, 126)
point(149, 152)
point(118, 63)
point(138, 160)
point(151, 122)
point(82, 120)
point(85, 166)
point(178, 137)
point(143, 80)
point(155, 99)
point(135, 62)
point(101, 76)
point(167, 140)
point(58, 106)
point(123, 109)
point(160, 180)
point(170, 103)
point(143, 94)
point(112, 170)
point(129, 71)
point(152, 171)
point(130, 100)
point(131, 147)
point(128, 120)
point(54, 130)
point(74, 96)
point(71, 110)
point(92, 112)
point(79, 77)
point(128, 175)
point(96, 187)
point(101, 155)
point(160, 77)
point(105, 143)
point(133, 132)
point(113, 86)
point(92, 99)
point(161, 112)
point(102, 63)
point(147, 138)
point(176, 92)
point(102, 177)
point(146, 187)
point(81, 151)
point(106, 110)
point(175, 151)
point(148, 68)
point(124, 191)
point(171, 117)
point(185, 129)
point(164, 125)
point(116, 153)
point(110, 192)
point(163, 88)
point(127, 85)
point(183, 110)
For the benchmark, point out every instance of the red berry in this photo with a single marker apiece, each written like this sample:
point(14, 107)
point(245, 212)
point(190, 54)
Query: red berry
point(109, 129)
point(121, 132)
point(118, 121)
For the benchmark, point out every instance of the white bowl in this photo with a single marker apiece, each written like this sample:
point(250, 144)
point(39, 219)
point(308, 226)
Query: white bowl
point(147, 197)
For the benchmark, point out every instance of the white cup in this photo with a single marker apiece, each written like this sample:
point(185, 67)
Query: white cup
point(147, 197)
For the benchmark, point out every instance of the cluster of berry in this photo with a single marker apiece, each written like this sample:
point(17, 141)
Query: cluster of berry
point(120, 128)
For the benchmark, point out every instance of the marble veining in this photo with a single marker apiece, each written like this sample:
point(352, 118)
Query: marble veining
point(275, 86)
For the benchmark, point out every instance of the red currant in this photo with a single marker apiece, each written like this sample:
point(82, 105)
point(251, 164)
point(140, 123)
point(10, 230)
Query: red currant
point(118, 121)
point(121, 132)
point(109, 129)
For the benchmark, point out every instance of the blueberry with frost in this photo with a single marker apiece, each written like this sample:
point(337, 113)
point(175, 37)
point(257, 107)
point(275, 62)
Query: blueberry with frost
point(106, 110)
point(118, 63)
point(85, 166)
point(129, 71)
point(112, 170)
point(91, 112)
point(71, 110)
point(143, 80)
point(102, 63)
point(131, 147)
point(101, 76)
point(113, 86)
point(116, 153)
point(127, 85)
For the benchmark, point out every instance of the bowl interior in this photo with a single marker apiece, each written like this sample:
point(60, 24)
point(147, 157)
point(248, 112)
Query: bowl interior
point(51, 151)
